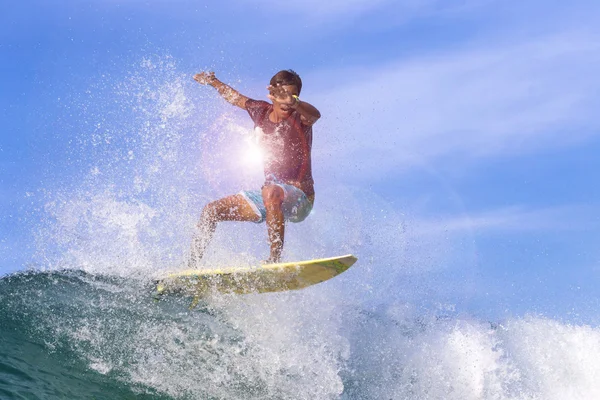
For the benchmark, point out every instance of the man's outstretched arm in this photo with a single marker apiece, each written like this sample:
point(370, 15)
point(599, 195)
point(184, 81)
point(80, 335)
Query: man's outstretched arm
point(227, 92)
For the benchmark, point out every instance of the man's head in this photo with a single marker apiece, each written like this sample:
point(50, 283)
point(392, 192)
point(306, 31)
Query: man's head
point(287, 78)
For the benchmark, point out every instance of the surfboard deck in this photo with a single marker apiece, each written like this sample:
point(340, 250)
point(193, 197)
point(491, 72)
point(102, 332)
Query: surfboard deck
point(266, 278)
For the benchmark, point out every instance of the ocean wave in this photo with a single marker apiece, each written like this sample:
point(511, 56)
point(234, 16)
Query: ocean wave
point(75, 334)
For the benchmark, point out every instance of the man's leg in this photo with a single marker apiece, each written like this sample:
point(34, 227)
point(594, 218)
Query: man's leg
point(231, 208)
point(273, 196)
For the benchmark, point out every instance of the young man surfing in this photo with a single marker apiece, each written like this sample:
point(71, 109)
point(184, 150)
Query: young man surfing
point(285, 136)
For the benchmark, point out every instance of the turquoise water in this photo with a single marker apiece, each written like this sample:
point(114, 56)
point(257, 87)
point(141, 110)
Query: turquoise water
point(40, 360)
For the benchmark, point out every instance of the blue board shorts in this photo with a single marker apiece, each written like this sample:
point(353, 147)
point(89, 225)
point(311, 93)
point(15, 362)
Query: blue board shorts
point(296, 206)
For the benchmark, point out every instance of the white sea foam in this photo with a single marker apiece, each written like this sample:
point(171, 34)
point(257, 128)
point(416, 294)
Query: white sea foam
point(307, 345)
point(264, 349)
point(457, 358)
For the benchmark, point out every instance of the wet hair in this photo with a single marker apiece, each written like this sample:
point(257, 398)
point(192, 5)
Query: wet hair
point(287, 77)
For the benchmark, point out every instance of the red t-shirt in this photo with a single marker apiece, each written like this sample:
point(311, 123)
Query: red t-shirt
point(287, 145)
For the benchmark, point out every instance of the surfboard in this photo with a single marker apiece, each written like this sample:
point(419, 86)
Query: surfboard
point(266, 278)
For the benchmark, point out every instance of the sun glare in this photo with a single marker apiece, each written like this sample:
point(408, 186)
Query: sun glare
point(253, 154)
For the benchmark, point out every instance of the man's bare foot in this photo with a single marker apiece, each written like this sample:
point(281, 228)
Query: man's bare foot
point(270, 260)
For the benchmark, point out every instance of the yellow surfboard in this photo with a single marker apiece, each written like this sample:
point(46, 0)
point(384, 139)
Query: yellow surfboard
point(263, 279)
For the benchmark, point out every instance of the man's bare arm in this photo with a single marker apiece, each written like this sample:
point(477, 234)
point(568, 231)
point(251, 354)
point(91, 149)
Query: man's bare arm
point(231, 95)
point(308, 113)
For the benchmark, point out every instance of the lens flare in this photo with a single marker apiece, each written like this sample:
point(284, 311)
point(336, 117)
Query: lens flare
point(253, 154)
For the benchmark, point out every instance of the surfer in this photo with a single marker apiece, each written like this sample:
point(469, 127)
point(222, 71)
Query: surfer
point(284, 130)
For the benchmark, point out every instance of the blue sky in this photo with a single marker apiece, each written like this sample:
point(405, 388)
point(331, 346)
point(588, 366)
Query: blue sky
point(471, 124)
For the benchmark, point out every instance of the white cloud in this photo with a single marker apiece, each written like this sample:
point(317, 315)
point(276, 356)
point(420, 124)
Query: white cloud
point(388, 12)
point(485, 101)
point(318, 9)
point(511, 220)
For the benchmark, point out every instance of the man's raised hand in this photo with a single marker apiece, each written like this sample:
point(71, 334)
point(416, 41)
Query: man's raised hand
point(205, 78)
point(281, 95)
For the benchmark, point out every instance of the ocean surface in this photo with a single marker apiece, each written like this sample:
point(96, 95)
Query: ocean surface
point(71, 334)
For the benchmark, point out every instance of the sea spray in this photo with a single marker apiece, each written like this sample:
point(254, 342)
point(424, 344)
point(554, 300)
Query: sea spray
point(153, 150)
point(296, 345)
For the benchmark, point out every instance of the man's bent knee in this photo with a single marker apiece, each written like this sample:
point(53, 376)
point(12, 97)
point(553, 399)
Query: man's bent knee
point(272, 196)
